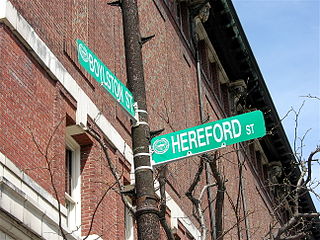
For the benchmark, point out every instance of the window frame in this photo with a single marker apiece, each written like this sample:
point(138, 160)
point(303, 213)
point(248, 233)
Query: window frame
point(183, 19)
point(74, 200)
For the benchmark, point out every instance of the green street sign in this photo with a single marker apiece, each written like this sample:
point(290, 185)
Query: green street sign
point(105, 77)
point(203, 138)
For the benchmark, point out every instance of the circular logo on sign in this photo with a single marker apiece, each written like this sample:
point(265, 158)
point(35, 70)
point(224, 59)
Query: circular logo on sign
point(160, 146)
point(83, 53)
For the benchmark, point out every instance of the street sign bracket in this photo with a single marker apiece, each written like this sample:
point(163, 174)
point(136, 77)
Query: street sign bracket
point(143, 168)
point(141, 154)
point(136, 117)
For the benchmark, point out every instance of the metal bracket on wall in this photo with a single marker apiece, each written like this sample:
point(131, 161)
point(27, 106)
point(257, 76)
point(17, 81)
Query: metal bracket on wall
point(146, 39)
point(115, 3)
point(137, 112)
point(141, 168)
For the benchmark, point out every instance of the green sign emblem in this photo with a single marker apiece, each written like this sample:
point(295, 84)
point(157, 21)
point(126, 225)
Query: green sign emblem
point(106, 78)
point(160, 146)
point(83, 53)
point(203, 138)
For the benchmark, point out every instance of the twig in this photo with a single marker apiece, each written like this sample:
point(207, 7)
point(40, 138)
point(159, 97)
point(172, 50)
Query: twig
point(310, 96)
point(234, 225)
point(317, 150)
point(163, 206)
point(116, 176)
point(96, 208)
point(212, 160)
point(51, 172)
point(297, 114)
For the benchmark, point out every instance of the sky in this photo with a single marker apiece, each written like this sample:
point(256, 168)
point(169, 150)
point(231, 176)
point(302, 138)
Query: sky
point(284, 37)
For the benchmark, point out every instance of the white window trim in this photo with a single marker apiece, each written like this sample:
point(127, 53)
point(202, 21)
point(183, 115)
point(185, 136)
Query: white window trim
point(129, 225)
point(74, 217)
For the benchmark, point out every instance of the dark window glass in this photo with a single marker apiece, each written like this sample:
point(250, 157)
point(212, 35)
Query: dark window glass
point(204, 58)
point(183, 18)
point(68, 171)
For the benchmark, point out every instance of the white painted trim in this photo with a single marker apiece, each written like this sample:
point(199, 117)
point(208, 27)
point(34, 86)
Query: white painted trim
point(129, 225)
point(178, 214)
point(22, 29)
point(75, 214)
point(30, 183)
point(35, 200)
point(17, 211)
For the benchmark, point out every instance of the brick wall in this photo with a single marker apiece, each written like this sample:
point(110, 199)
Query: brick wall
point(33, 104)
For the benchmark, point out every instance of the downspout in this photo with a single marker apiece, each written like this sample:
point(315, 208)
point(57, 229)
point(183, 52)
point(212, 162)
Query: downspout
point(244, 200)
point(245, 209)
point(202, 117)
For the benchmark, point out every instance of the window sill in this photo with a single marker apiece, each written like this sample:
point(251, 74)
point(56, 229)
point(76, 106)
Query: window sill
point(69, 198)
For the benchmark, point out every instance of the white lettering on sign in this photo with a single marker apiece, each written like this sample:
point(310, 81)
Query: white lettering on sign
point(106, 78)
point(215, 132)
point(175, 143)
point(201, 137)
point(192, 139)
point(128, 98)
point(234, 130)
point(207, 133)
point(109, 81)
point(249, 129)
point(184, 140)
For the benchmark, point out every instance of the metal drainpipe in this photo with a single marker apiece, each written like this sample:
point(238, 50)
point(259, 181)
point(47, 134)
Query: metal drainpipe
point(209, 192)
point(245, 208)
point(146, 201)
point(243, 196)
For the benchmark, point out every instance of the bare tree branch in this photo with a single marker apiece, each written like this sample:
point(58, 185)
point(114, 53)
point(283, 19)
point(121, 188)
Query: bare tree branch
point(295, 138)
point(114, 172)
point(293, 220)
point(212, 160)
point(310, 96)
point(163, 206)
point(194, 183)
point(295, 237)
point(234, 225)
point(310, 159)
point(46, 157)
point(197, 201)
point(96, 208)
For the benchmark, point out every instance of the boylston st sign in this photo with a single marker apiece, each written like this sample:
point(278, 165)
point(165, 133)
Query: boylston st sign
point(203, 138)
point(91, 63)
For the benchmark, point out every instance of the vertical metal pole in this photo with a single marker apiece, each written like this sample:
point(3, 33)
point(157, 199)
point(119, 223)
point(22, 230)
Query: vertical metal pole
point(147, 211)
point(207, 167)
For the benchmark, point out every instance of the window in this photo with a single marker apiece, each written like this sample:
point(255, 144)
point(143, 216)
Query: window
point(204, 58)
point(129, 225)
point(214, 78)
point(128, 218)
point(182, 233)
point(183, 18)
point(171, 5)
point(225, 98)
point(181, 14)
point(72, 184)
point(211, 73)
point(68, 170)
